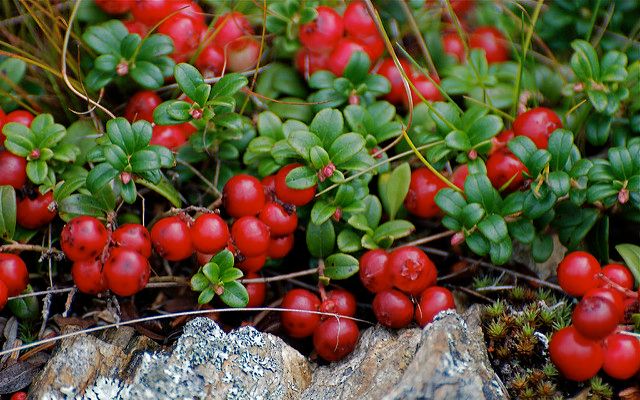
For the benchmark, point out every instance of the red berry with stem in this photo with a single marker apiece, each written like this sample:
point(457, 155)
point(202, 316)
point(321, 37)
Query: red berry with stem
point(150, 12)
point(499, 143)
point(114, 7)
point(619, 274)
point(432, 301)
point(339, 301)
point(342, 53)
point(393, 309)
point(280, 221)
point(87, 276)
point(621, 356)
point(257, 291)
point(459, 176)
point(375, 273)
point(503, 167)
point(296, 197)
point(537, 124)
point(182, 29)
point(33, 212)
point(14, 274)
point(424, 186)
point(126, 272)
point(209, 233)
point(452, 45)
point(389, 70)
point(171, 238)
point(83, 238)
point(576, 357)
point(210, 61)
point(250, 236)
point(230, 27)
point(141, 105)
point(133, 237)
point(4, 294)
point(577, 273)
point(323, 33)
point(243, 195)
point(335, 338)
point(14, 170)
point(612, 295)
point(411, 270)
point(300, 324)
point(595, 317)
point(279, 247)
point(169, 136)
point(425, 88)
point(492, 41)
point(357, 20)
point(242, 54)
point(252, 264)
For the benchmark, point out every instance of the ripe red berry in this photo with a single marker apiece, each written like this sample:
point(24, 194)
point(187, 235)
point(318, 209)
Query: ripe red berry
point(393, 309)
point(492, 41)
point(209, 233)
point(577, 273)
point(595, 317)
point(279, 247)
point(87, 276)
point(14, 274)
point(499, 142)
point(503, 167)
point(169, 136)
point(252, 264)
point(459, 176)
point(575, 356)
point(243, 195)
point(19, 116)
point(389, 70)
point(339, 301)
point(114, 7)
point(141, 106)
point(426, 88)
point(126, 272)
point(134, 26)
point(4, 294)
point(621, 356)
point(432, 301)
point(411, 270)
point(358, 21)
point(269, 185)
point(242, 54)
point(210, 61)
point(14, 170)
point(335, 338)
point(537, 124)
point(230, 27)
point(374, 271)
point(612, 295)
point(251, 236)
point(452, 45)
point(33, 212)
point(133, 237)
point(257, 291)
point(619, 274)
point(297, 197)
point(323, 33)
point(373, 45)
point(424, 186)
point(280, 221)
point(308, 62)
point(19, 396)
point(300, 324)
point(342, 53)
point(182, 30)
point(83, 238)
point(150, 12)
point(171, 238)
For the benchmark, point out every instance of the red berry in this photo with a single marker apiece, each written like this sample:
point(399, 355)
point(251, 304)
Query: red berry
point(621, 356)
point(14, 274)
point(141, 106)
point(577, 273)
point(426, 88)
point(342, 53)
point(150, 12)
point(182, 30)
point(87, 275)
point(432, 301)
point(210, 61)
point(4, 294)
point(373, 45)
point(269, 185)
point(595, 317)
point(280, 221)
point(424, 186)
point(257, 291)
point(19, 396)
point(537, 124)
point(133, 237)
point(459, 176)
point(499, 142)
point(14, 170)
point(297, 197)
point(19, 116)
point(33, 213)
point(243, 195)
point(242, 54)
point(503, 167)
point(83, 238)
point(357, 20)
point(230, 27)
point(619, 274)
point(492, 41)
point(335, 338)
point(389, 70)
point(171, 239)
point(308, 62)
point(393, 309)
point(300, 324)
point(279, 247)
point(323, 33)
point(252, 264)
point(339, 301)
point(453, 45)
point(374, 271)
point(114, 6)
point(126, 272)
point(612, 295)
point(411, 270)
point(251, 236)
point(169, 136)
point(209, 233)
point(575, 356)
point(134, 26)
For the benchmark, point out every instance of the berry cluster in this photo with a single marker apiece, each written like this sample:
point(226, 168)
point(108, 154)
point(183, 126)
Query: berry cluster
point(593, 341)
point(422, 84)
point(394, 277)
point(14, 277)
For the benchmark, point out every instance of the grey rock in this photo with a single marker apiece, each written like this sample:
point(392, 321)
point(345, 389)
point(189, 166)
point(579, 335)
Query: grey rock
point(544, 270)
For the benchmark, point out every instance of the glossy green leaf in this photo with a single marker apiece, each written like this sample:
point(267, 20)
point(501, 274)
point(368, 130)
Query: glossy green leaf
point(393, 229)
point(494, 228)
point(320, 239)
point(301, 178)
point(349, 241)
point(147, 75)
point(345, 147)
point(340, 266)
point(631, 255)
point(322, 211)
point(188, 79)
point(235, 295)
point(393, 188)
point(7, 212)
point(199, 282)
point(328, 125)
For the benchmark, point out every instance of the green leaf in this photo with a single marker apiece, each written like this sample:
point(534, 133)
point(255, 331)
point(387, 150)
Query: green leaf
point(320, 239)
point(340, 266)
point(96, 80)
point(522, 230)
point(613, 67)
point(229, 85)
point(373, 210)
point(631, 255)
point(128, 192)
point(535, 206)
point(199, 282)
point(559, 182)
point(270, 125)
point(478, 244)
point(598, 128)
point(542, 247)
point(106, 63)
point(322, 211)
point(155, 46)
point(349, 241)
point(537, 162)
point(327, 125)
point(235, 295)
point(78, 205)
point(301, 178)
point(522, 147)
point(13, 70)
point(37, 171)
point(20, 139)
point(358, 67)
point(163, 188)
point(105, 38)
point(119, 133)
point(224, 259)
point(163, 114)
point(115, 156)
point(484, 129)
point(560, 145)
point(621, 162)
point(7, 212)
point(321, 80)
point(212, 271)
point(231, 274)
point(584, 61)
point(494, 228)
point(147, 75)
point(393, 188)
point(188, 78)
point(345, 147)
point(206, 296)
point(26, 308)
point(319, 157)
point(145, 160)
point(573, 223)
point(393, 229)
point(458, 140)
point(598, 99)
point(450, 202)
point(166, 157)
point(302, 142)
point(129, 45)
point(478, 189)
point(500, 252)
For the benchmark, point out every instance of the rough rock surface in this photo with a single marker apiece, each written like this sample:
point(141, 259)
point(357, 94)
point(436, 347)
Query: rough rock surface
point(446, 360)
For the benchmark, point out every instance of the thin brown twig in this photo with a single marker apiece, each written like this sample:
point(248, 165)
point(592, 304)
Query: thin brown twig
point(427, 239)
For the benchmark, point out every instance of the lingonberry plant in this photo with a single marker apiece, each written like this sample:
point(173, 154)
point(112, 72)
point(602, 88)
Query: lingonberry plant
point(339, 163)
